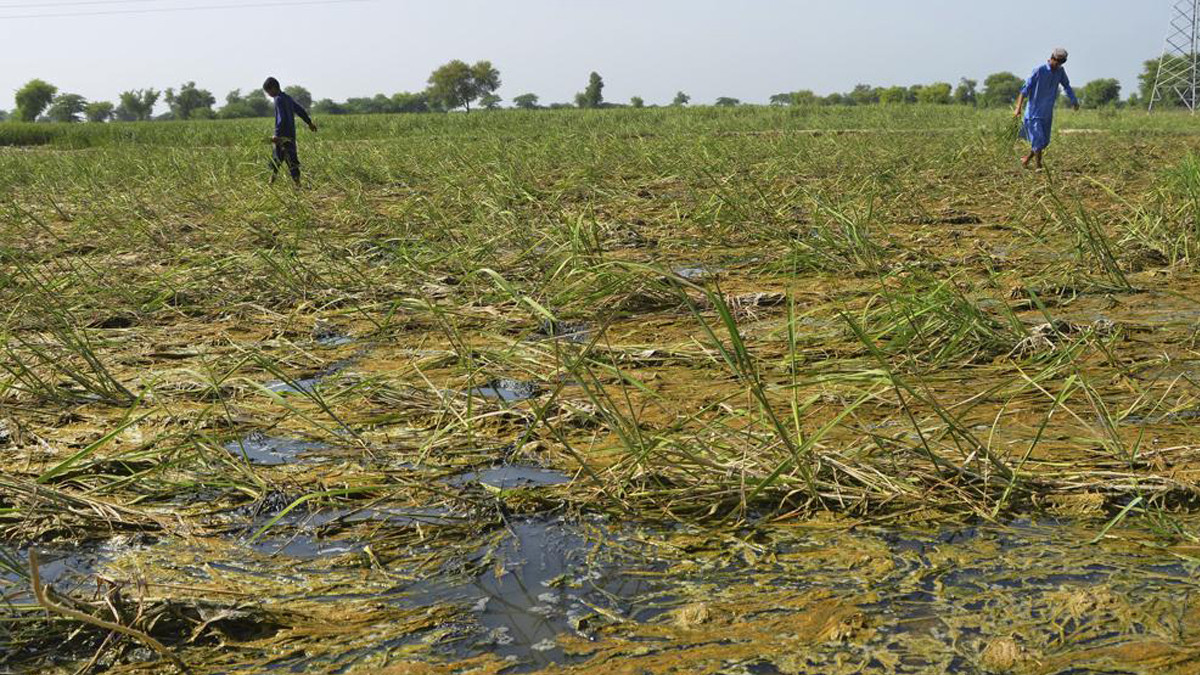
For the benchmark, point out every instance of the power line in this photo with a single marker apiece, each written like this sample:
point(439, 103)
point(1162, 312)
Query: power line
point(168, 10)
point(68, 3)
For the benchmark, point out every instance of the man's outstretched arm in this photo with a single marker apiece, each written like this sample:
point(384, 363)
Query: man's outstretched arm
point(304, 116)
point(1066, 85)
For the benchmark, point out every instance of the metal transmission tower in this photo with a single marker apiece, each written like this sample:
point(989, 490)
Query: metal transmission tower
point(1179, 70)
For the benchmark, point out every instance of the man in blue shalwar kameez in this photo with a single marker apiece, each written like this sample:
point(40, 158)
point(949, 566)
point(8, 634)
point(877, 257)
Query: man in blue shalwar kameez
point(1041, 91)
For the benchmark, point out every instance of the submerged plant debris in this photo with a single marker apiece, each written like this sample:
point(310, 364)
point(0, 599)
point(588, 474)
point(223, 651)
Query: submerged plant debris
point(540, 393)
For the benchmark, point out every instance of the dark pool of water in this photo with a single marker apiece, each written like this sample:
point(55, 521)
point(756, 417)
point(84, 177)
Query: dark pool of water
point(67, 568)
point(309, 535)
point(302, 546)
point(388, 515)
point(544, 578)
point(512, 476)
point(263, 450)
point(308, 385)
point(508, 390)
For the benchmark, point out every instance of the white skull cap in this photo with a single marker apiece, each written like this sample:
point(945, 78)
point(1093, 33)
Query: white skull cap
point(1059, 55)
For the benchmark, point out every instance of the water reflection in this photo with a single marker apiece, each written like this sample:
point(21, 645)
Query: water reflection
point(544, 578)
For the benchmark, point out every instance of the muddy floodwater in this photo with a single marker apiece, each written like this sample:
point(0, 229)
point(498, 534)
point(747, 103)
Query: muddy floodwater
point(736, 392)
point(549, 592)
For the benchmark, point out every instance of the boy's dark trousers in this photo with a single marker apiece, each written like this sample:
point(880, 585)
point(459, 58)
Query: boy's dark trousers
point(285, 153)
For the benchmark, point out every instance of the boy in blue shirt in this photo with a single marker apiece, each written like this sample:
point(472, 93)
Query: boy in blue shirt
point(284, 139)
point(1041, 91)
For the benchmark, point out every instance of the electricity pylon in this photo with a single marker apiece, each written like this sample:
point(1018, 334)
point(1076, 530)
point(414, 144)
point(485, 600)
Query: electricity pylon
point(1179, 70)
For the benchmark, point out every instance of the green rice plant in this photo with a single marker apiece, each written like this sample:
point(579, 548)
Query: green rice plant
point(1006, 132)
point(322, 402)
point(74, 460)
point(956, 429)
point(1184, 181)
point(840, 237)
point(48, 353)
point(65, 368)
point(1165, 226)
point(932, 322)
point(20, 134)
point(1092, 242)
point(772, 474)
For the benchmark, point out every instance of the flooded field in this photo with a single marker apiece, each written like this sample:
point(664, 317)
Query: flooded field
point(750, 391)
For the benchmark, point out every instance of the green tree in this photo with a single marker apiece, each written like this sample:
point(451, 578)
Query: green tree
point(803, 97)
point(136, 106)
point(681, 99)
point(593, 96)
point(328, 106)
point(261, 104)
point(99, 111)
point(67, 108)
point(937, 93)
point(637, 102)
point(863, 94)
point(3, 116)
point(1001, 89)
point(595, 90)
point(254, 104)
point(383, 104)
point(458, 85)
point(486, 77)
point(490, 101)
point(966, 92)
point(235, 106)
point(368, 105)
point(364, 105)
point(300, 95)
point(190, 102)
point(409, 102)
point(33, 98)
point(728, 102)
point(894, 95)
point(526, 101)
point(1100, 93)
point(780, 99)
point(835, 99)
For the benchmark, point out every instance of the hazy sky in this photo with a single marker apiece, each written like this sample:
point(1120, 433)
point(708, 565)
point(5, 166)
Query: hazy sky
point(748, 49)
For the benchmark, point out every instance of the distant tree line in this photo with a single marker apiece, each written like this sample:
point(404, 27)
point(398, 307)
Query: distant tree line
point(452, 86)
point(459, 85)
point(999, 90)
